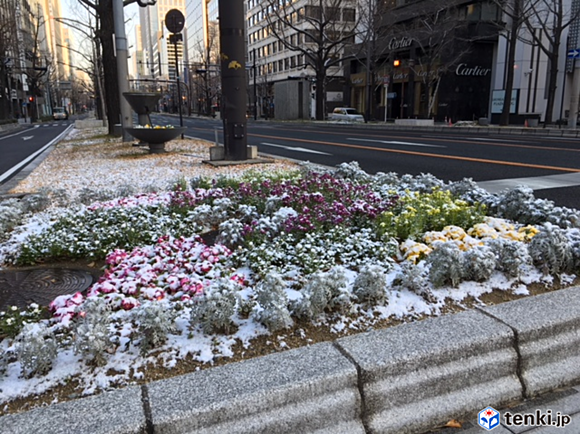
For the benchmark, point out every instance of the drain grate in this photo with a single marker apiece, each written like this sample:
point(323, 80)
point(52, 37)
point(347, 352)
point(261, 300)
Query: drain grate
point(41, 286)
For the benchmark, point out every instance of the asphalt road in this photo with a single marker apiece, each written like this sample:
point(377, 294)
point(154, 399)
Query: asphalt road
point(450, 155)
point(19, 146)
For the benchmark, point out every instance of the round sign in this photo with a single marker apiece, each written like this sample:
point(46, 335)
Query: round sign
point(174, 21)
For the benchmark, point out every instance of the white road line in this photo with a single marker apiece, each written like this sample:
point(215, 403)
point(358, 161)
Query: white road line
point(24, 162)
point(396, 142)
point(27, 138)
point(297, 149)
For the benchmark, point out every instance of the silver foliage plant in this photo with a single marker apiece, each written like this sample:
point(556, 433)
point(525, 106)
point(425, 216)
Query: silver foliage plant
point(513, 257)
point(214, 310)
point(370, 285)
point(324, 290)
point(36, 349)
point(414, 278)
point(551, 250)
point(91, 331)
point(271, 307)
point(446, 264)
point(478, 263)
point(11, 214)
point(155, 320)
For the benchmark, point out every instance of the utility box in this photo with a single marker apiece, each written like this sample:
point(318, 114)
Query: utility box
point(292, 99)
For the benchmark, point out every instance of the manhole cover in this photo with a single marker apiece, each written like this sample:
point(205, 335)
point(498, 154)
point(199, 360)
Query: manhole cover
point(22, 287)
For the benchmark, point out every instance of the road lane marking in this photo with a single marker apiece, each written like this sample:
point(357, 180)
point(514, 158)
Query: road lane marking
point(396, 142)
point(27, 137)
point(24, 162)
point(426, 154)
point(292, 148)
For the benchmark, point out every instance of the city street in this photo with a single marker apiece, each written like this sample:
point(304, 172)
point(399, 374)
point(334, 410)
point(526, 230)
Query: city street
point(453, 155)
point(18, 148)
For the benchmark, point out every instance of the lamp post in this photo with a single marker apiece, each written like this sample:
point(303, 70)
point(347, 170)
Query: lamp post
point(411, 106)
point(122, 69)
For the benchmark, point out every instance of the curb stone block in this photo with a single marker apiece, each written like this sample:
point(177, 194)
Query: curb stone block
point(420, 375)
point(310, 389)
point(548, 329)
point(115, 412)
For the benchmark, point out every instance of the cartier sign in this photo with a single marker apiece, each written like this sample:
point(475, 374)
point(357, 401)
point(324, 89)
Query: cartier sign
point(396, 43)
point(474, 71)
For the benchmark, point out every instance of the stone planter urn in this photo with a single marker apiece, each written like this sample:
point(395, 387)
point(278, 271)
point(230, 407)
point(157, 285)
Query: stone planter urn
point(155, 138)
point(143, 104)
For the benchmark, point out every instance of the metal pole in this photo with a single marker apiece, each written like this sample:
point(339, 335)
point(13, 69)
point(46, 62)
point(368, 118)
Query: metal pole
point(255, 88)
point(573, 112)
point(233, 72)
point(122, 70)
point(178, 84)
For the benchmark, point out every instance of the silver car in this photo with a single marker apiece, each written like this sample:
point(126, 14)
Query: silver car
point(59, 113)
point(346, 114)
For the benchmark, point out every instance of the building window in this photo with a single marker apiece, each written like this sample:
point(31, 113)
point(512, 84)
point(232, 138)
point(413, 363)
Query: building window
point(348, 15)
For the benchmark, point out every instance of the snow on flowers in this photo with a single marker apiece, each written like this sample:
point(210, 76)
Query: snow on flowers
point(266, 252)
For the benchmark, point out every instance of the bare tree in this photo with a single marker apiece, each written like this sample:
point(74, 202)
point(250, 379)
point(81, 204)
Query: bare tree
point(92, 63)
point(545, 22)
point(319, 30)
point(439, 44)
point(206, 68)
point(541, 23)
point(104, 32)
point(8, 50)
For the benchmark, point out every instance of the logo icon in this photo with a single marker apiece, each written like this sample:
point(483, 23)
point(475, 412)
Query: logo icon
point(488, 418)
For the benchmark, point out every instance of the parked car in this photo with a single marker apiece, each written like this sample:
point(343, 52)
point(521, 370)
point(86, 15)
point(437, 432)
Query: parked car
point(346, 114)
point(59, 113)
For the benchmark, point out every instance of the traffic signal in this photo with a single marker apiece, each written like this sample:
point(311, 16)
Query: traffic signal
point(396, 63)
point(30, 99)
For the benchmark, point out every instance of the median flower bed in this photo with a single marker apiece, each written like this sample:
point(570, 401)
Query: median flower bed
point(208, 266)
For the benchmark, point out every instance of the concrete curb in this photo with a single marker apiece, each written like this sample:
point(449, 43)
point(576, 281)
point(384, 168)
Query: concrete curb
point(420, 375)
point(406, 379)
point(547, 330)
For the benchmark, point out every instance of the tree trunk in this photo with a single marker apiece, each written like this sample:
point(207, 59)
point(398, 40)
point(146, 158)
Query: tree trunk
point(552, 84)
point(112, 96)
point(509, 85)
point(320, 100)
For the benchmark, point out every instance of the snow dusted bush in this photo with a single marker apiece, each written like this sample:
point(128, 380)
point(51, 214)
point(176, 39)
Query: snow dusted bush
point(446, 263)
point(513, 257)
point(271, 307)
point(214, 310)
point(11, 211)
point(35, 202)
point(519, 204)
point(478, 263)
point(370, 285)
point(91, 331)
point(231, 232)
point(423, 183)
point(551, 250)
point(324, 291)
point(468, 190)
point(125, 190)
point(36, 349)
point(415, 278)
point(88, 195)
point(574, 240)
point(155, 319)
point(58, 196)
point(353, 172)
